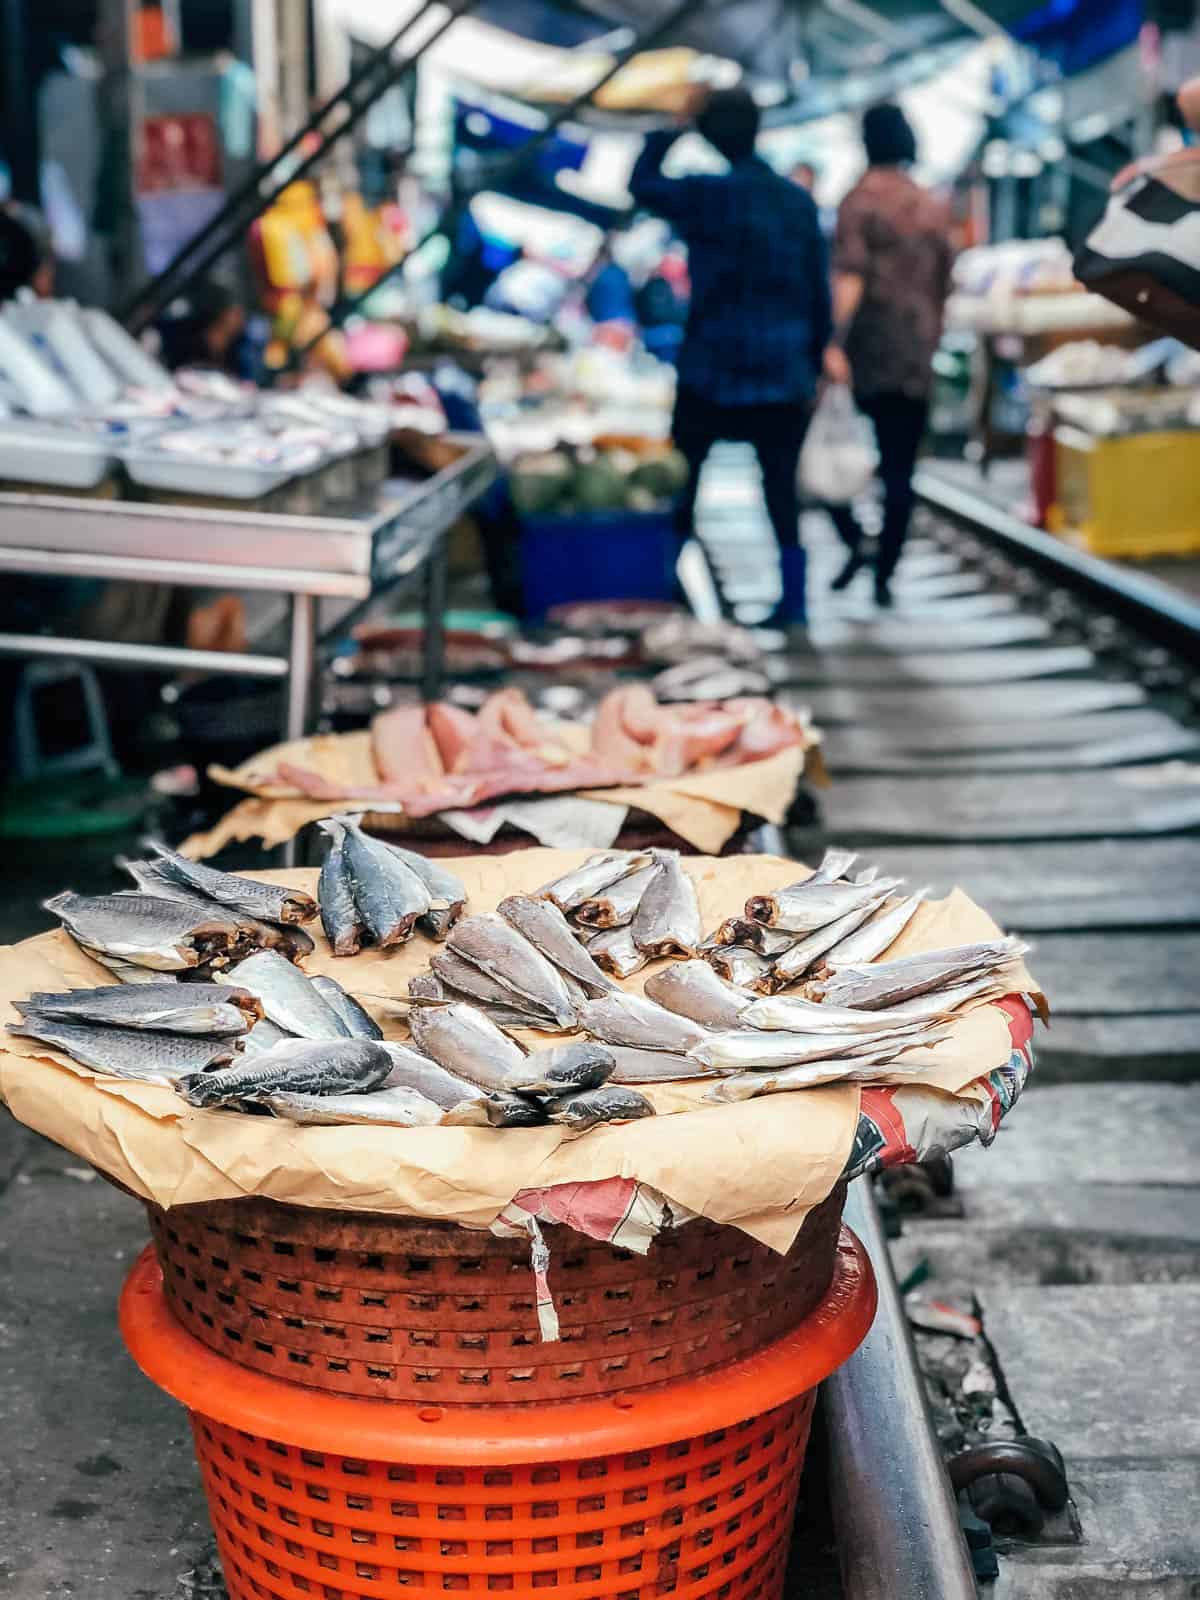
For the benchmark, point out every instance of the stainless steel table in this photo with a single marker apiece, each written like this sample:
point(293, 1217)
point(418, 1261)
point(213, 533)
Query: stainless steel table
point(356, 558)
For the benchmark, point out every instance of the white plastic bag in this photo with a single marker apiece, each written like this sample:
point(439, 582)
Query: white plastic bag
point(839, 455)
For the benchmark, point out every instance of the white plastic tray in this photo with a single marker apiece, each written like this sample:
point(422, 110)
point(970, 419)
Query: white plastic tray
point(60, 458)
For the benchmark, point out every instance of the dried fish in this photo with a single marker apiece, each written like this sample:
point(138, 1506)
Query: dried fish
point(877, 935)
point(750, 1085)
point(359, 1023)
point(739, 966)
point(339, 914)
point(543, 924)
point(596, 874)
point(477, 986)
point(274, 902)
point(615, 951)
point(398, 1107)
point(460, 1038)
point(610, 1103)
point(755, 936)
point(288, 997)
point(389, 895)
point(791, 1013)
point(563, 1070)
point(297, 1066)
point(805, 953)
point(459, 1102)
point(621, 1018)
point(127, 1052)
point(253, 933)
point(447, 893)
point(692, 989)
point(615, 906)
point(834, 864)
point(426, 986)
point(144, 930)
point(805, 907)
point(655, 1066)
point(264, 1035)
point(888, 983)
point(219, 1010)
point(741, 1049)
point(668, 918)
point(497, 949)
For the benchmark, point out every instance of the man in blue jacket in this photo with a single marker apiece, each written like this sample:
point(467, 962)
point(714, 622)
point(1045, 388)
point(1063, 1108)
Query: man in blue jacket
point(759, 319)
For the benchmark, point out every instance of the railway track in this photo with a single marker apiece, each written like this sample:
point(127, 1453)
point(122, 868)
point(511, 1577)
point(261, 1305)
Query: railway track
point(1025, 722)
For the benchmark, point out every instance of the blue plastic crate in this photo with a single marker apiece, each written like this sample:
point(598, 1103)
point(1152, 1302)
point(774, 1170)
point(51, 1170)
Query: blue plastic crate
point(597, 555)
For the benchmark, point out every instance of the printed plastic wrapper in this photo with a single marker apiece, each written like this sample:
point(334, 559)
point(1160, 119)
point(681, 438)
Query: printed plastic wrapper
point(760, 1164)
point(705, 808)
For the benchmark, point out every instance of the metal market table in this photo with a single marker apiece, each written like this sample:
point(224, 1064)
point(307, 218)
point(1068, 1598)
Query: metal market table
point(349, 557)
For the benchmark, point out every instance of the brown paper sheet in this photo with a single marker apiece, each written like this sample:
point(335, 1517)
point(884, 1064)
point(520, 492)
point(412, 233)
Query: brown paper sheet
point(761, 1164)
point(704, 808)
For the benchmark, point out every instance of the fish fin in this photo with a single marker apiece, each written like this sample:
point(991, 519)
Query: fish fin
point(59, 902)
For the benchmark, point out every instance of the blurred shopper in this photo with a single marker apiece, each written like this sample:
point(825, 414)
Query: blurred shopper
point(759, 317)
point(891, 276)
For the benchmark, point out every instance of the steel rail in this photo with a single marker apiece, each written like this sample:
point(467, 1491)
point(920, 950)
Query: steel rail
point(1151, 608)
point(894, 1511)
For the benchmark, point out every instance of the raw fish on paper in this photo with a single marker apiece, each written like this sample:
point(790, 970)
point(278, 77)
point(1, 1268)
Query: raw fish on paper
point(356, 1019)
point(273, 902)
point(667, 920)
point(621, 1018)
point(563, 1069)
point(545, 927)
point(692, 989)
point(498, 950)
point(460, 1038)
point(614, 951)
point(389, 895)
point(616, 906)
point(610, 1103)
point(339, 915)
point(399, 1107)
point(127, 1052)
point(597, 873)
point(805, 907)
point(288, 997)
point(297, 1066)
point(144, 930)
point(215, 1009)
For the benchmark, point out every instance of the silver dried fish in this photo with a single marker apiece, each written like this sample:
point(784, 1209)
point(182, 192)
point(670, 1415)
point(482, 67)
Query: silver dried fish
point(616, 906)
point(144, 930)
point(805, 907)
point(563, 1070)
point(791, 966)
point(745, 969)
point(288, 997)
point(215, 1009)
point(127, 1052)
point(460, 1038)
point(497, 949)
point(655, 1066)
point(610, 1103)
point(692, 989)
point(877, 935)
point(339, 915)
point(297, 1066)
point(615, 952)
point(459, 1102)
point(398, 1107)
point(389, 895)
point(358, 1022)
point(742, 1049)
point(887, 983)
point(667, 920)
point(597, 873)
point(273, 902)
point(621, 1018)
point(543, 924)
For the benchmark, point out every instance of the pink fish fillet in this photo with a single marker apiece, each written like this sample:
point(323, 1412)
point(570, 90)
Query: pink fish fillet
point(768, 731)
point(403, 747)
point(611, 739)
point(452, 729)
point(507, 715)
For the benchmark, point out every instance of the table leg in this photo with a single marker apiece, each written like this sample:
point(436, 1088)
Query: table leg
point(436, 584)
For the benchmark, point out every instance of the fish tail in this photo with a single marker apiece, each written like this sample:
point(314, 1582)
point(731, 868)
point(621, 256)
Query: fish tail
point(60, 902)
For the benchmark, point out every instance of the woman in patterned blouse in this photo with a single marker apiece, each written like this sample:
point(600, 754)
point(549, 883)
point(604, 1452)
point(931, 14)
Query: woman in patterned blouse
point(891, 276)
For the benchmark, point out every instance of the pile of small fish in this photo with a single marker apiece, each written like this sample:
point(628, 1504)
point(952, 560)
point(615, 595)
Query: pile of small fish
point(827, 919)
point(185, 918)
point(377, 893)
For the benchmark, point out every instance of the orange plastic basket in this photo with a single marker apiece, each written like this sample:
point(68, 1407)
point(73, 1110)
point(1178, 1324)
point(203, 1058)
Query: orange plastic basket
point(686, 1490)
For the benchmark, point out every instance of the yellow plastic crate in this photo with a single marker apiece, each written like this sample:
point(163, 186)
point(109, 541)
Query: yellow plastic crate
point(1135, 495)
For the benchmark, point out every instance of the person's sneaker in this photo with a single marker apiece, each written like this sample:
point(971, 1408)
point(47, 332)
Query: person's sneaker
point(852, 567)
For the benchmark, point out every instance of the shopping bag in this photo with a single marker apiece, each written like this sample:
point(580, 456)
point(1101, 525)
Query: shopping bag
point(839, 456)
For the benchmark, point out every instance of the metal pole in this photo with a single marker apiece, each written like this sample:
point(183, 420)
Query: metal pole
point(508, 168)
point(301, 655)
point(120, 103)
point(434, 642)
point(142, 657)
point(894, 1511)
point(152, 296)
point(21, 142)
